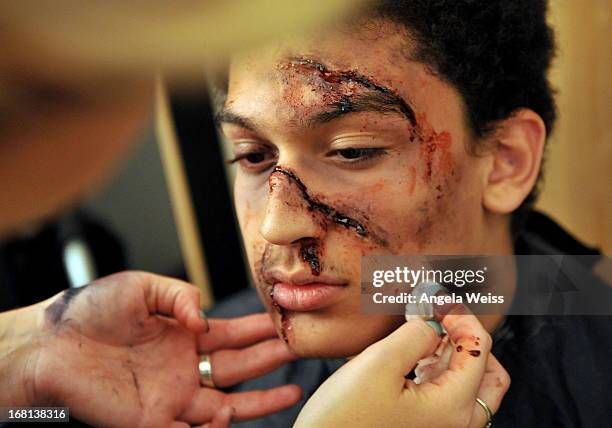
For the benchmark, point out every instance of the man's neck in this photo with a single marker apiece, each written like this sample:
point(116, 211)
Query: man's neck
point(501, 245)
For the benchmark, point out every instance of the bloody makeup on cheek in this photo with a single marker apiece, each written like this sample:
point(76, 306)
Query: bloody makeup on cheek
point(309, 250)
point(441, 174)
point(432, 144)
point(329, 214)
point(260, 267)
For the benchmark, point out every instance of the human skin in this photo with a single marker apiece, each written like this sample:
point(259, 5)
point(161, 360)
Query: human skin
point(401, 402)
point(123, 351)
point(415, 185)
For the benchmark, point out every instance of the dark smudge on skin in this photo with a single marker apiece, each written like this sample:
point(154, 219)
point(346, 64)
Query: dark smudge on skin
point(260, 267)
point(283, 316)
point(332, 214)
point(56, 310)
point(136, 386)
point(352, 76)
point(310, 252)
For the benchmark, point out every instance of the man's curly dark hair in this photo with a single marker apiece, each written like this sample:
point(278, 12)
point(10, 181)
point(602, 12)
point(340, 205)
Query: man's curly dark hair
point(495, 52)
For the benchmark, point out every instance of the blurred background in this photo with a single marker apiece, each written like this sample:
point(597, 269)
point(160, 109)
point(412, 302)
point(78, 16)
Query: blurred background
point(136, 203)
point(577, 188)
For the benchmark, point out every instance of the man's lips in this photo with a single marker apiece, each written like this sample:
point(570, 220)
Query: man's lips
point(304, 292)
point(305, 297)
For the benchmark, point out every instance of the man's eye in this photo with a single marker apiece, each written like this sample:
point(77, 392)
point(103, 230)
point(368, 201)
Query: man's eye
point(359, 154)
point(255, 157)
point(255, 161)
point(351, 153)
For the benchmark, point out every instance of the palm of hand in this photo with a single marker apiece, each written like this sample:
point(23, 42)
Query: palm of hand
point(141, 368)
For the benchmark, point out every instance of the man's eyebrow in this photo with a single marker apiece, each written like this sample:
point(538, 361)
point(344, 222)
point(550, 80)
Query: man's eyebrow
point(225, 115)
point(387, 97)
point(368, 102)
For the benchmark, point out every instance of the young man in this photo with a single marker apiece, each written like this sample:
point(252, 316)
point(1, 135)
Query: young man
point(417, 130)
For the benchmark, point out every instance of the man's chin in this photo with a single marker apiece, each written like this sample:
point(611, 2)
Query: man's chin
point(327, 334)
point(311, 344)
point(314, 351)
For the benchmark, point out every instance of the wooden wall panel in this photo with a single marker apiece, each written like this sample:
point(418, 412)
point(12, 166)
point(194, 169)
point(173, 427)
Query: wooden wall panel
point(578, 172)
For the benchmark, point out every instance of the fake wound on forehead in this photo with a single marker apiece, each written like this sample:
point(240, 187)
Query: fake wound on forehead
point(384, 99)
point(332, 214)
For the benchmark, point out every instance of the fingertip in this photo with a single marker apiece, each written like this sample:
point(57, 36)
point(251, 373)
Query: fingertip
point(206, 326)
point(204, 319)
point(444, 310)
point(293, 393)
point(298, 391)
point(199, 326)
point(283, 351)
point(401, 350)
point(223, 417)
point(428, 333)
point(436, 326)
point(296, 397)
point(200, 322)
point(226, 413)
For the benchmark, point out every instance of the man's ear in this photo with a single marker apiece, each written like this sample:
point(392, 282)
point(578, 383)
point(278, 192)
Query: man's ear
point(517, 147)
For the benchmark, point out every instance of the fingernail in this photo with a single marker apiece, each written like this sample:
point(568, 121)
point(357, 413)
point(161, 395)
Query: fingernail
point(436, 326)
point(204, 318)
point(440, 311)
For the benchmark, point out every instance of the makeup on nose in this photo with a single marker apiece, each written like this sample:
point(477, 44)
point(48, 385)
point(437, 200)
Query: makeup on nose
point(329, 213)
point(288, 217)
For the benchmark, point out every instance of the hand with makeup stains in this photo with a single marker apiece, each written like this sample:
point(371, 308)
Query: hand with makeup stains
point(124, 352)
point(371, 389)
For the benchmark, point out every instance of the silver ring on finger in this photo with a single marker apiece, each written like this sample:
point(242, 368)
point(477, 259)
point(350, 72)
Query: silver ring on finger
point(487, 411)
point(205, 369)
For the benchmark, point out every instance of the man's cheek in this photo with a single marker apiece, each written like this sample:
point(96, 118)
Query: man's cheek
point(249, 211)
point(441, 214)
point(417, 212)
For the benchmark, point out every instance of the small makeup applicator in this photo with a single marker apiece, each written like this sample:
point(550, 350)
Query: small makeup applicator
point(431, 367)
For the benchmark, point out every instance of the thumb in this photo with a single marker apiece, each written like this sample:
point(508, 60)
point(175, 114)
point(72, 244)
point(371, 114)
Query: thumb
point(397, 354)
point(222, 418)
point(174, 298)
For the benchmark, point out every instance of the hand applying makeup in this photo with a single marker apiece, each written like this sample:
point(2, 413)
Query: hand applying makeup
point(123, 351)
point(371, 390)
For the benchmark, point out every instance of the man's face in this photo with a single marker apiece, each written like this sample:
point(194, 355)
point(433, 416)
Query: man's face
point(345, 148)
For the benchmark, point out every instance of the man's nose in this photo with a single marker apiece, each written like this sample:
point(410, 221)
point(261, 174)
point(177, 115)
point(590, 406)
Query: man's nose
point(288, 217)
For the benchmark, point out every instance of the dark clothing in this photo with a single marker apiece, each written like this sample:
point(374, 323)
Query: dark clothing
point(559, 365)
